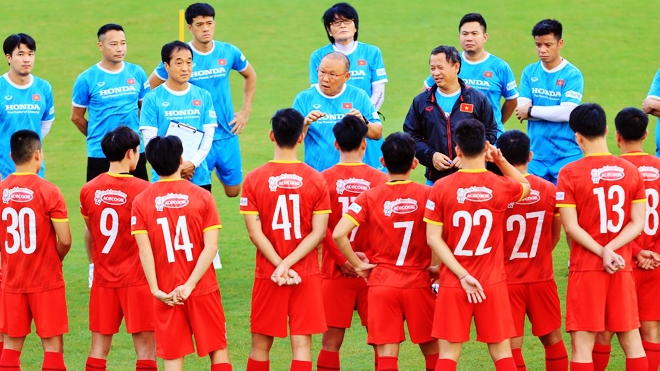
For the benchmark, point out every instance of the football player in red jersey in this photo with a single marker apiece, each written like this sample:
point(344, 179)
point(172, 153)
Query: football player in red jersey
point(286, 205)
point(602, 205)
point(398, 275)
point(471, 203)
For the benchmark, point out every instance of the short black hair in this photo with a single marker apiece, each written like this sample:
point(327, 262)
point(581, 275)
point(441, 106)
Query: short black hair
point(472, 17)
point(631, 124)
point(451, 54)
point(171, 48)
point(547, 27)
point(199, 9)
point(118, 141)
point(470, 137)
point(164, 154)
point(23, 143)
point(14, 41)
point(349, 132)
point(108, 27)
point(287, 125)
point(588, 120)
point(514, 145)
point(398, 152)
point(344, 10)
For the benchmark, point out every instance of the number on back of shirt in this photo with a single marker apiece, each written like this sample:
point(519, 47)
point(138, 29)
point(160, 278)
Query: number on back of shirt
point(181, 238)
point(281, 216)
point(22, 228)
point(606, 224)
point(109, 214)
point(651, 226)
point(345, 203)
point(522, 222)
point(480, 217)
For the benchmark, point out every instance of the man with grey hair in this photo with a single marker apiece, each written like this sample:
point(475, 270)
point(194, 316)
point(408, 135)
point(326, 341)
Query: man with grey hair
point(325, 104)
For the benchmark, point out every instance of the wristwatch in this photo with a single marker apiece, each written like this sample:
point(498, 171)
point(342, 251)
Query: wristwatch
point(529, 112)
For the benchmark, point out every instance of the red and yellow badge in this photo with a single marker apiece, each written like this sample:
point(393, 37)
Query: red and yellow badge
point(347, 105)
point(36, 97)
point(131, 81)
point(197, 102)
point(488, 74)
point(560, 82)
point(362, 62)
point(222, 62)
point(467, 107)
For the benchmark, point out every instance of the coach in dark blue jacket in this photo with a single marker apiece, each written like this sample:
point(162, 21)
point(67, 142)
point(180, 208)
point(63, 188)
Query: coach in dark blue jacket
point(434, 114)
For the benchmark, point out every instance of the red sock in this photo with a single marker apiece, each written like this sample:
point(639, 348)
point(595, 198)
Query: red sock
point(388, 364)
point(297, 365)
point(2, 345)
point(95, 364)
point(652, 354)
point(637, 364)
point(505, 364)
point(601, 356)
point(582, 366)
point(53, 361)
point(445, 365)
point(253, 365)
point(556, 358)
point(11, 360)
point(146, 365)
point(431, 361)
point(518, 359)
point(375, 359)
point(221, 367)
point(327, 361)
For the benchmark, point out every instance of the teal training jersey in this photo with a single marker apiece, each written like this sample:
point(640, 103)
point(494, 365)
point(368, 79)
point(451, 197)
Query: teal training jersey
point(654, 92)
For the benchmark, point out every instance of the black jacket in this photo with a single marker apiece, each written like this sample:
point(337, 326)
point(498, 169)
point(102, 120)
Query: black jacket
point(432, 132)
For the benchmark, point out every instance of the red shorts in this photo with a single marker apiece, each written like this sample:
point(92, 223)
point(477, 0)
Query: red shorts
point(391, 306)
point(301, 305)
point(598, 301)
point(3, 330)
point(340, 297)
point(539, 300)
point(48, 308)
point(107, 306)
point(648, 287)
point(492, 317)
point(201, 316)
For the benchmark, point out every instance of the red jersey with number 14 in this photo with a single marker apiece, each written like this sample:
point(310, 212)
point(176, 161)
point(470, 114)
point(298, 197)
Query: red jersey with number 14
point(175, 214)
point(528, 234)
point(30, 206)
point(470, 205)
point(285, 195)
point(393, 214)
point(602, 188)
point(106, 202)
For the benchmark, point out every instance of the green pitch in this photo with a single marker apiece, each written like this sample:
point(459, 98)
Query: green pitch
point(610, 41)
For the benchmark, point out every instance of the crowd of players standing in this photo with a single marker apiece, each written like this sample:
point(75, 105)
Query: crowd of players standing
point(450, 128)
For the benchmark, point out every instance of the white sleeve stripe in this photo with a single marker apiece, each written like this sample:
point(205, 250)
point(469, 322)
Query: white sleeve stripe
point(159, 76)
point(78, 105)
point(47, 122)
point(246, 66)
point(654, 97)
point(512, 97)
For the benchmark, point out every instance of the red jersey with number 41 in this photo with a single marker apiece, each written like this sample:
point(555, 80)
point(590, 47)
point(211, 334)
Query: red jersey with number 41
point(392, 214)
point(175, 214)
point(602, 188)
point(471, 205)
point(528, 234)
point(285, 195)
point(30, 206)
point(345, 182)
point(106, 202)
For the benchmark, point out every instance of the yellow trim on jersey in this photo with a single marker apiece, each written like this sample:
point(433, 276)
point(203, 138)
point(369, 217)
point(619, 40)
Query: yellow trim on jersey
point(67, 220)
point(217, 226)
point(639, 201)
point(599, 154)
point(351, 163)
point(399, 182)
point(169, 180)
point(139, 231)
point(526, 175)
point(566, 205)
point(118, 175)
point(285, 161)
point(557, 215)
point(249, 212)
point(523, 191)
point(433, 222)
point(472, 170)
point(635, 154)
point(84, 216)
point(322, 212)
point(24, 173)
point(352, 219)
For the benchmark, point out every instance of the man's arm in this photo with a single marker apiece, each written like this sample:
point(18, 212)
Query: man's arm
point(204, 261)
point(508, 107)
point(78, 118)
point(147, 260)
point(556, 230)
point(249, 87)
point(631, 230)
point(412, 125)
point(155, 81)
point(651, 106)
point(88, 241)
point(487, 117)
point(340, 235)
point(495, 155)
point(309, 243)
point(259, 239)
point(63, 238)
point(378, 94)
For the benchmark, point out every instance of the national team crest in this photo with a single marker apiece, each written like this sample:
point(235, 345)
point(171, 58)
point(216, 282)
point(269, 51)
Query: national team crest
point(609, 173)
point(560, 82)
point(36, 97)
point(131, 81)
point(171, 201)
point(110, 197)
point(352, 185)
point(286, 181)
point(399, 206)
point(488, 74)
point(362, 62)
point(467, 107)
point(17, 194)
point(197, 102)
point(222, 62)
point(347, 105)
point(649, 173)
point(474, 194)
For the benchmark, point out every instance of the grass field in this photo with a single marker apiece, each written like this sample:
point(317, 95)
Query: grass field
point(609, 40)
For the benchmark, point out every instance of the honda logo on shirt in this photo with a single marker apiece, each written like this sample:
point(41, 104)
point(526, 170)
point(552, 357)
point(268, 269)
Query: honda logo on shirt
point(466, 107)
point(488, 74)
point(362, 62)
point(36, 97)
point(560, 82)
point(222, 62)
point(347, 105)
point(197, 102)
point(131, 81)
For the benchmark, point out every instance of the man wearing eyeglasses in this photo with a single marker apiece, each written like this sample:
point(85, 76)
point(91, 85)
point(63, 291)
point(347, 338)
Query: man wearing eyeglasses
point(325, 104)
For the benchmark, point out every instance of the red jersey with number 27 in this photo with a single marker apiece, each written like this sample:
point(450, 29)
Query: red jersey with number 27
point(471, 205)
point(285, 195)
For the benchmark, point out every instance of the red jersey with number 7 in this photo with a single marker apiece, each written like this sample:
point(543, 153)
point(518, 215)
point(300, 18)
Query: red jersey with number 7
point(470, 205)
point(285, 195)
point(175, 214)
point(30, 206)
point(393, 214)
point(106, 202)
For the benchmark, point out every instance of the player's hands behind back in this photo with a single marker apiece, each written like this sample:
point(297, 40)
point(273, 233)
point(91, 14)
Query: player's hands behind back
point(284, 275)
point(612, 262)
point(473, 289)
point(648, 260)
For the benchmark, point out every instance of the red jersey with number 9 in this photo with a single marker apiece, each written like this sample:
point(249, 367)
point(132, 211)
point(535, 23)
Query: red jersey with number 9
point(30, 206)
point(175, 214)
point(285, 195)
point(470, 205)
point(602, 188)
point(392, 214)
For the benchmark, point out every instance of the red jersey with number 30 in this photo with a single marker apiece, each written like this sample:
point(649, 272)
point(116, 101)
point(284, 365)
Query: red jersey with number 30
point(30, 206)
point(528, 234)
point(106, 202)
point(175, 214)
point(602, 188)
point(470, 205)
point(393, 214)
point(345, 182)
point(285, 195)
